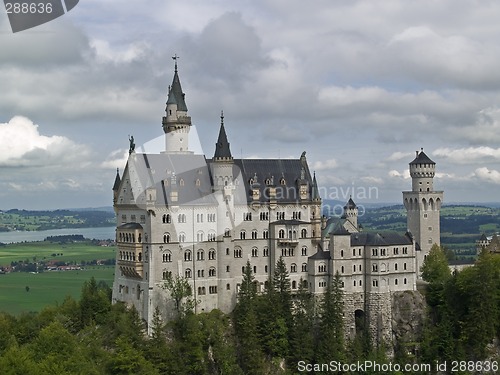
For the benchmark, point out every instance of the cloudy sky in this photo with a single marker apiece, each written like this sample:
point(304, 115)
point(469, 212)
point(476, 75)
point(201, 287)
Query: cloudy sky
point(359, 85)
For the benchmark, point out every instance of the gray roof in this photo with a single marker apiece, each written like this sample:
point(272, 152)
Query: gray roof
point(284, 174)
point(380, 239)
point(422, 158)
point(116, 185)
point(176, 95)
point(321, 255)
point(130, 226)
point(222, 149)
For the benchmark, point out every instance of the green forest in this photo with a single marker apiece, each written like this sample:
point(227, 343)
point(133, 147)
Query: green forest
point(268, 333)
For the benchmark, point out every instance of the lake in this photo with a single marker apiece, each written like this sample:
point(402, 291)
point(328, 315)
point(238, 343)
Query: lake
point(103, 233)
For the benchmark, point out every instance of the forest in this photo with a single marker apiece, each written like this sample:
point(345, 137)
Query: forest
point(268, 333)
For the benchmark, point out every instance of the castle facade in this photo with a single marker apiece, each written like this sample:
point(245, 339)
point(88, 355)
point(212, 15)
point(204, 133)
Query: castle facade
point(180, 214)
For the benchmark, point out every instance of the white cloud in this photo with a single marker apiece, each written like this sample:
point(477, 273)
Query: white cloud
point(321, 165)
point(394, 173)
point(23, 145)
point(116, 159)
point(488, 175)
point(395, 156)
point(469, 155)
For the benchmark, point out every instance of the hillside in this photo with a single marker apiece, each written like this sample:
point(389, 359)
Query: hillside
point(43, 220)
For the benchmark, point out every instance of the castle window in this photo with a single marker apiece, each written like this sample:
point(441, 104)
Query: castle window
point(247, 216)
point(254, 234)
point(255, 252)
point(243, 235)
point(237, 253)
point(227, 250)
point(187, 255)
point(404, 266)
point(211, 254)
point(395, 267)
point(322, 267)
point(304, 267)
point(187, 273)
point(353, 252)
point(404, 281)
point(227, 268)
point(254, 269)
point(181, 218)
point(374, 267)
point(200, 255)
point(360, 282)
point(396, 251)
point(228, 286)
point(405, 250)
point(280, 216)
point(341, 253)
point(375, 282)
point(166, 238)
point(212, 289)
point(281, 233)
point(124, 218)
point(374, 252)
point(199, 218)
point(264, 216)
point(212, 272)
point(293, 268)
point(181, 181)
point(182, 237)
point(166, 219)
point(199, 236)
point(198, 182)
point(354, 283)
point(167, 257)
point(282, 181)
point(166, 275)
point(303, 233)
point(227, 232)
point(354, 268)
point(294, 284)
point(265, 252)
point(211, 236)
point(201, 273)
point(342, 269)
point(265, 269)
point(265, 234)
point(143, 219)
point(396, 282)
point(304, 250)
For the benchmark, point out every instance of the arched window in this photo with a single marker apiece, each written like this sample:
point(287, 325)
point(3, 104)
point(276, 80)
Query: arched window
point(265, 234)
point(167, 257)
point(293, 268)
point(200, 255)
point(166, 238)
point(166, 219)
point(303, 233)
point(187, 273)
point(255, 252)
point(182, 237)
point(304, 250)
point(211, 254)
point(294, 284)
point(187, 255)
point(281, 233)
point(304, 267)
point(212, 272)
point(243, 235)
point(254, 234)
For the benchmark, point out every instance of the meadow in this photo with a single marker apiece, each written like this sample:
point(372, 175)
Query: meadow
point(25, 291)
point(46, 288)
point(44, 250)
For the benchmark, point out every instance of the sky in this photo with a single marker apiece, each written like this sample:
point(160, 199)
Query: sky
point(358, 85)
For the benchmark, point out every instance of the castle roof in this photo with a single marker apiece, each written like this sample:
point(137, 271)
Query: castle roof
point(116, 185)
point(129, 226)
point(422, 158)
point(222, 149)
point(320, 254)
point(175, 94)
point(350, 204)
point(380, 239)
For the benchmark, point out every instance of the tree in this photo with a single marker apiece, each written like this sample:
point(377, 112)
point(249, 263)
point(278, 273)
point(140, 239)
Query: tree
point(330, 344)
point(180, 290)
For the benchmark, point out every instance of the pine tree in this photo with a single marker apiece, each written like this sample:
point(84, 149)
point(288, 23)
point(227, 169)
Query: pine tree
point(330, 345)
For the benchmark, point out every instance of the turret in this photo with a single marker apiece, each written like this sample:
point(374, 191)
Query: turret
point(176, 122)
point(422, 171)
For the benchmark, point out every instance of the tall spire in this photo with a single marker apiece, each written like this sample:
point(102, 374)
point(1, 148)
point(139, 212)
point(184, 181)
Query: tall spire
point(315, 192)
point(222, 150)
point(175, 94)
point(116, 185)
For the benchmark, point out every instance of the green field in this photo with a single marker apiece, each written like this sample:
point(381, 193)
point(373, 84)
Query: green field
point(46, 288)
point(71, 252)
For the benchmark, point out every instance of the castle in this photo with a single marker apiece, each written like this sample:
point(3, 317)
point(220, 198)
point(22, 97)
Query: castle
point(181, 214)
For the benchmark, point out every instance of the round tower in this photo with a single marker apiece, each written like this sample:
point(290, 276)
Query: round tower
point(423, 205)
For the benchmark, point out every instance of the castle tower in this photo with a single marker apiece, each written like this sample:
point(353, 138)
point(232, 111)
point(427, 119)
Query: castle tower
point(351, 214)
point(176, 122)
point(423, 205)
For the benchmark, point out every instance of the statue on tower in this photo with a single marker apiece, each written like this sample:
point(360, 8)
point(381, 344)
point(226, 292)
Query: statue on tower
point(132, 144)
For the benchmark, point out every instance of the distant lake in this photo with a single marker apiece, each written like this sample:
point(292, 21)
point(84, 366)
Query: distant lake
point(103, 233)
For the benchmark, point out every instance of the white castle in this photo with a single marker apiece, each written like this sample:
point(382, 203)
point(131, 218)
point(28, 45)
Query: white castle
point(181, 214)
